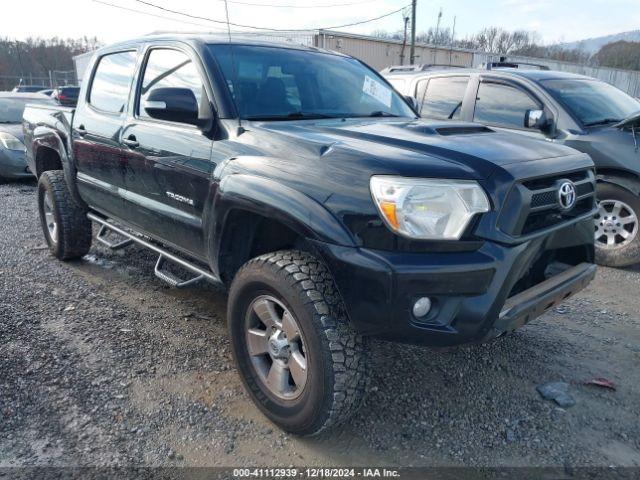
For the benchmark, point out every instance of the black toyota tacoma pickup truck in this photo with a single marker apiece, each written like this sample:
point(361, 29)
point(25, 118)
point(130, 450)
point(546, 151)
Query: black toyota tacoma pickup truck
point(301, 181)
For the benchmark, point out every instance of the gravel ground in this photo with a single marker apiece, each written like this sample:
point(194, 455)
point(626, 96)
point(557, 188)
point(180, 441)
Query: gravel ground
point(101, 364)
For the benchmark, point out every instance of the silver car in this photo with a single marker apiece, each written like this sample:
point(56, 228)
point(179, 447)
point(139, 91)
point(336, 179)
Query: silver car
point(12, 151)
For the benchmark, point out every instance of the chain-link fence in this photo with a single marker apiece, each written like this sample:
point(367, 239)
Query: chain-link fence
point(55, 79)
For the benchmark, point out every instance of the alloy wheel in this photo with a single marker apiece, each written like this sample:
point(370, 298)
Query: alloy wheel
point(616, 224)
point(49, 217)
point(276, 347)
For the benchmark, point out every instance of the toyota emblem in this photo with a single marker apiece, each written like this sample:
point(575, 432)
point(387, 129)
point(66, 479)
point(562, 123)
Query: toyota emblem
point(567, 195)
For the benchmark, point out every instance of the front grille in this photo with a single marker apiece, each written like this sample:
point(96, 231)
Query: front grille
point(541, 199)
point(550, 197)
point(533, 204)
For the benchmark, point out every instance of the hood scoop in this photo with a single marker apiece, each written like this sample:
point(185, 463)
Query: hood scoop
point(447, 129)
point(466, 130)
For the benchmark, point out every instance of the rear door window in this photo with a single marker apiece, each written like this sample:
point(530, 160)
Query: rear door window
point(502, 105)
point(443, 98)
point(112, 82)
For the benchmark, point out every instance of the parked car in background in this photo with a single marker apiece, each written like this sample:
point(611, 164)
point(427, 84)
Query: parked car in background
point(46, 92)
point(581, 112)
point(12, 151)
point(306, 185)
point(66, 96)
point(29, 88)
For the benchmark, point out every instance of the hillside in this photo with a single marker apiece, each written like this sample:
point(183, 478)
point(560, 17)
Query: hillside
point(592, 45)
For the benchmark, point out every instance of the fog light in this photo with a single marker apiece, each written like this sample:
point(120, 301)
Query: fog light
point(421, 307)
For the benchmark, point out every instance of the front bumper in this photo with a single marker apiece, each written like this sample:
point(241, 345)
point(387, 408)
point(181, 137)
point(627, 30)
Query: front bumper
point(475, 295)
point(13, 164)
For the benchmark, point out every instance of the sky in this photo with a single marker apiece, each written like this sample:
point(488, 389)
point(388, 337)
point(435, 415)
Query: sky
point(553, 20)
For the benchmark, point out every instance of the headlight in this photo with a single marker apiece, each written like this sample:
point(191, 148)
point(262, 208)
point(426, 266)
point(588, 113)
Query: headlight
point(428, 208)
point(10, 142)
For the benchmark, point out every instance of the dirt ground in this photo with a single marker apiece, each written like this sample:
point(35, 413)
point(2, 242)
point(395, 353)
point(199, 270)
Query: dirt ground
point(101, 364)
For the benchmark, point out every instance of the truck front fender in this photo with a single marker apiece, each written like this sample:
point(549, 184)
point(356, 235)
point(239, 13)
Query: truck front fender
point(626, 180)
point(274, 201)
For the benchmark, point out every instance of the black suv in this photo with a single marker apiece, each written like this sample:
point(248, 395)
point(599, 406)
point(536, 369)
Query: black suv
point(581, 112)
point(302, 182)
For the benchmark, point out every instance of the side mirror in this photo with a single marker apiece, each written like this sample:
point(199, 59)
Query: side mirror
point(413, 102)
point(536, 119)
point(173, 105)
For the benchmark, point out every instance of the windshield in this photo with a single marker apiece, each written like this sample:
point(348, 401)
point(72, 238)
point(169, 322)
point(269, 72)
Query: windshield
point(270, 83)
point(592, 101)
point(11, 108)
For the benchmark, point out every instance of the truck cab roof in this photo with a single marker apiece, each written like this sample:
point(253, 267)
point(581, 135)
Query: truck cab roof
point(207, 38)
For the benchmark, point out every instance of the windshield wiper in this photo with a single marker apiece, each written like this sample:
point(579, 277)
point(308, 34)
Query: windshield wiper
point(604, 121)
point(291, 116)
point(380, 113)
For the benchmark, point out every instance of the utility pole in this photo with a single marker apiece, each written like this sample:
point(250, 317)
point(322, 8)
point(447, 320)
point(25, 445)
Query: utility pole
point(406, 18)
point(453, 36)
point(436, 40)
point(412, 56)
point(19, 60)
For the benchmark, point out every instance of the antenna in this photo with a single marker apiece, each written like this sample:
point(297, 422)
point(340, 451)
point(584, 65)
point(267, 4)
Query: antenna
point(233, 68)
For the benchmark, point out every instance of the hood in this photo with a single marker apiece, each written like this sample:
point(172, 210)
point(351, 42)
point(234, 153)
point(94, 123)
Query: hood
point(469, 145)
point(632, 121)
point(14, 129)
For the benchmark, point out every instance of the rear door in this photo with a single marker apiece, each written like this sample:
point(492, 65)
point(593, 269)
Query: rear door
point(503, 105)
point(97, 124)
point(169, 167)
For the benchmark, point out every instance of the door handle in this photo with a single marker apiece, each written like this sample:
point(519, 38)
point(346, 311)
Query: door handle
point(131, 142)
point(81, 130)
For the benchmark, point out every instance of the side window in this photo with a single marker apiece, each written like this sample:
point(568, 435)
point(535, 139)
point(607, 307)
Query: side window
point(112, 82)
point(443, 98)
point(169, 69)
point(502, 105)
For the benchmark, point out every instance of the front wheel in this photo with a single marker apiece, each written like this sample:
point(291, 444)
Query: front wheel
point(299, 359)
point(616, 226)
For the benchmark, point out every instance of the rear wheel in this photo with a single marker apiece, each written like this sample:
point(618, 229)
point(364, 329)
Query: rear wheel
point(616, 226)
point(301, 362)
point(66, 227)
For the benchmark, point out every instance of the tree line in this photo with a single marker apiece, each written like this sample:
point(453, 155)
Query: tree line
point(621, 54)
point(37, 57)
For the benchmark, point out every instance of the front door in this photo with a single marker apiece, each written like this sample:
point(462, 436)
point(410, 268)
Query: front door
point(169, 167)
point(503, 106)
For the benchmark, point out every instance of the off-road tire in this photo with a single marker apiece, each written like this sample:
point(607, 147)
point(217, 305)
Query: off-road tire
point(337, 373)
point(73, 227)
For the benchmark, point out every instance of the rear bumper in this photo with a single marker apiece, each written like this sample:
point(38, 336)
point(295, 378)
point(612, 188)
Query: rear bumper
point(13, 164)
point(475, 295)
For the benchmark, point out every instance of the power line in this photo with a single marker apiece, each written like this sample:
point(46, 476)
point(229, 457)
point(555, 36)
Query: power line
point(164, 17)
point(176, 12)
point(298, 6)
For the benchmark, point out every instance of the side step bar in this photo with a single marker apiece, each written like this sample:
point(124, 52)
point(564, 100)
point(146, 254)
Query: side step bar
point(102, 238)
point(164, 255)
